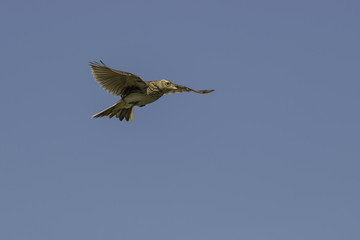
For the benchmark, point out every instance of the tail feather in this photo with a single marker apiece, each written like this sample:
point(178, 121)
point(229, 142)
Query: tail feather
point(106, 112)
point(127, 113)
point(122, 113)
point(132, 116)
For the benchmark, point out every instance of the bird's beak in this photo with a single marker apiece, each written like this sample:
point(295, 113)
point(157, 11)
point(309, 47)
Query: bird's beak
point(173, 87)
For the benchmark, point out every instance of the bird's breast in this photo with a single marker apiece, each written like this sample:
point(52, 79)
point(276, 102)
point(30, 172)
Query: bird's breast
point(141, 98)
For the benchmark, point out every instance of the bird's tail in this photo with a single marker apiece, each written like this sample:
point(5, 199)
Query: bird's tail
point(116, 110)
point(106, 112)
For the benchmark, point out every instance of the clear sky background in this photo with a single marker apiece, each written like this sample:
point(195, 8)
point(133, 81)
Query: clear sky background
point(273, 153)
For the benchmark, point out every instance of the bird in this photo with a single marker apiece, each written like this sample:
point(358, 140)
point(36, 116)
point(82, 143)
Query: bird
point(132, 89)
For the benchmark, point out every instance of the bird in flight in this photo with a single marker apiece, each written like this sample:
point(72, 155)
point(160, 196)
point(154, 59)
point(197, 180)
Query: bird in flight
point(133, 90)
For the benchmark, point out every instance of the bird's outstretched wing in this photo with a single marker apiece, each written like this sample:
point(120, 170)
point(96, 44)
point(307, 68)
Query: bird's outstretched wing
point(180, 89)
point(114, 81)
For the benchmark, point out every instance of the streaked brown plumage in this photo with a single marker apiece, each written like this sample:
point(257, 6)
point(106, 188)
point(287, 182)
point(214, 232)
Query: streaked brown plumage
point(133, 90)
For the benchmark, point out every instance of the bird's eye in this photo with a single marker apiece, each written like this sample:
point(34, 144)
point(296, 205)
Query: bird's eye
point(167, 83)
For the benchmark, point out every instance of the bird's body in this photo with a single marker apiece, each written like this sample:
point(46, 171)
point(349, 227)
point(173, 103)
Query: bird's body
point(133, 90)
point(140, 99)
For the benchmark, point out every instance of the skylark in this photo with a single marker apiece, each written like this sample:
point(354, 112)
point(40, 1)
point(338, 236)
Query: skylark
point(133, 90)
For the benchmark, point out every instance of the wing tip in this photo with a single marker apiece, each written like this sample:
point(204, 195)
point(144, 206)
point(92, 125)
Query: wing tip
point(206, 91)
point(97, 64)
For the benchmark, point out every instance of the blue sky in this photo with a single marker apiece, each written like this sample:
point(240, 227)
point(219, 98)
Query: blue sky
point(273, 153)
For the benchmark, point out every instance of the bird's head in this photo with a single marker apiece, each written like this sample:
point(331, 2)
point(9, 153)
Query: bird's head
point(167, 85)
